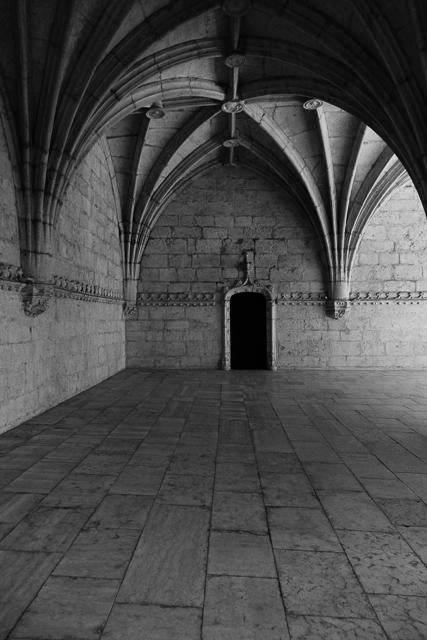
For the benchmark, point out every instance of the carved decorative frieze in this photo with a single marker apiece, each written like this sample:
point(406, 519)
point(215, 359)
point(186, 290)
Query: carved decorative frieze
point(302, 297)
point(176, 299)
point(10, 272)
point(77, 290)
point(36, 295)
point(364, 297)
point(10, 277)
point(388, 296)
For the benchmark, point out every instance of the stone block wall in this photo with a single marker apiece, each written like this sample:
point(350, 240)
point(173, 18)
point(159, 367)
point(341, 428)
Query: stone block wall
point(197, 247)
point(75, 343)
point(47, 359)
point(171, 337)
point(9, 232)
point(379, 336)
point(393, 252)
point(87, 243)
point(198, 242)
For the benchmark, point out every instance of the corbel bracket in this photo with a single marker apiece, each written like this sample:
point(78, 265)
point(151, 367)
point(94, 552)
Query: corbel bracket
point(337, 309)
point(130, 312)
point(36, 297)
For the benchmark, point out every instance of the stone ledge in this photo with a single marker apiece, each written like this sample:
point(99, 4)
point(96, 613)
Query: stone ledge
point(388, 296)
point(86, 297)
point(176, 299)
point(378, 297)
point(11, 279)
point(82, 291)
point(312, 296)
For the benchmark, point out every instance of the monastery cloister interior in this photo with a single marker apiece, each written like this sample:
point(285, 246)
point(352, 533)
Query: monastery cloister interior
point(213, 286)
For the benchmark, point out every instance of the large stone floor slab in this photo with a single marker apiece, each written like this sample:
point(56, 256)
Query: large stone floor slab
point(210, 505)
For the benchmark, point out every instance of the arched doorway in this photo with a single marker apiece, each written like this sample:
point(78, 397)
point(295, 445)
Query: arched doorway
point(254, 326)
point(248, 331)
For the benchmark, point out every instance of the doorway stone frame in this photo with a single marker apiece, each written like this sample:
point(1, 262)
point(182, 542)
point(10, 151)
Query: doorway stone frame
point(269, 293)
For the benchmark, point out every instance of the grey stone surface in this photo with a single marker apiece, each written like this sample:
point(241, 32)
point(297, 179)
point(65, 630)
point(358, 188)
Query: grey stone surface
point(239, 512)
point(156, 623)
point(169, 564)
point(354, 510)
point(409, 513)
point(240, 554)
point(79, 490)
point(243, 609)
point(329, 628)
point(14, 507)
point(324, 476)
point(308, 529)
point(321, 584)
point(99, 553)
point(385, 563)
point(76, 607)
point(47, 529)
point(22, 576)
point(288, 490)
point(278, 462)
point(387, 488)
point(192, 490)
point(416, 538)
point(322, 528)
point(122, 512)
point(138, 481)
point(403, 617)
point(237, 477)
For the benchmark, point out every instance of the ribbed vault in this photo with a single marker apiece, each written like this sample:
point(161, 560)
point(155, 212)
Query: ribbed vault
point(227, 82)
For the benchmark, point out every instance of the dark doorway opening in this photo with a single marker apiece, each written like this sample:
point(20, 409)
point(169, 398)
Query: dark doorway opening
point(248, 331)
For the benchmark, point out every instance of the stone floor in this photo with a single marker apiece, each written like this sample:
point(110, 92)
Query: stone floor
point(225, 506)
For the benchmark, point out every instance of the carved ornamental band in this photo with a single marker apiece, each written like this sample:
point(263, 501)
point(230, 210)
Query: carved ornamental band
point(176, 299)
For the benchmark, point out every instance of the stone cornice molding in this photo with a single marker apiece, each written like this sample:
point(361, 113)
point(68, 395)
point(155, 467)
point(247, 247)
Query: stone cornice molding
point(176, 299)
point(302, 297)
point(64, 288)
point(11, 279)
point(388, 296)
point(360, 297)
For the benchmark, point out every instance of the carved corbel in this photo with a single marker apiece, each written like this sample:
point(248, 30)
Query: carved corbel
point(337, 303)
point(130, 309)
point(38, 277)
point(337, 309)
point(36, 297)
point(130, 312)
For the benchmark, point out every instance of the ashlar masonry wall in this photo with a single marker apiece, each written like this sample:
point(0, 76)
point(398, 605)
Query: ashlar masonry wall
point(393, 251)
point(9, 233)
point(75, 343)
point(197, 247)
point(392, 257)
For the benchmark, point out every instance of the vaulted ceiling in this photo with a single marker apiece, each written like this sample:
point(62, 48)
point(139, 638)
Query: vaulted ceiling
point(172, 88)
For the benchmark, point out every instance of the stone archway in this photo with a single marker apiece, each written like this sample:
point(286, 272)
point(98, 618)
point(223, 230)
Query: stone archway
point(269, 294)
